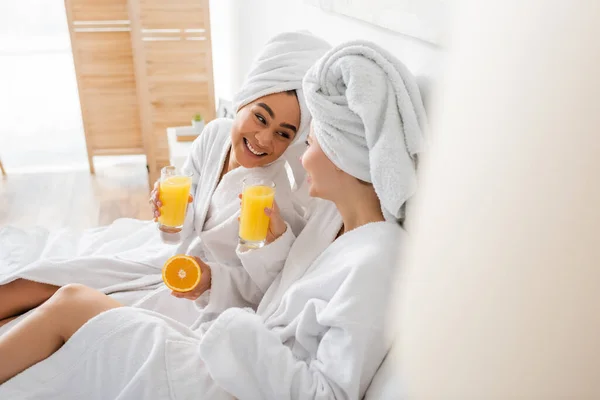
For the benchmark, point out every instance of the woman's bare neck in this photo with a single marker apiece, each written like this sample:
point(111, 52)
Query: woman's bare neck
point(229, 164)
point(359, 210)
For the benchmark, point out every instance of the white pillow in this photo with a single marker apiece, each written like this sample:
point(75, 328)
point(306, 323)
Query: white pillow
point(387, 382)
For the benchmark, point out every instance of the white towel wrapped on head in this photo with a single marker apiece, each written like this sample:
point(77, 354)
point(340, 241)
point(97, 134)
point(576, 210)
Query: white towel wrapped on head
point(280, 67)
point(369, 118)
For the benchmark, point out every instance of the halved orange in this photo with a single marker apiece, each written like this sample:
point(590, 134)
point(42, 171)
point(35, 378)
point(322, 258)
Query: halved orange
point(181, 273)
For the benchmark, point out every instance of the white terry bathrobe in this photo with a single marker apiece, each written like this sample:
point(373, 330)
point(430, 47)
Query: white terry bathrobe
point(125, 259)
point(213, 231)
point(320, 330)
point(280, 66)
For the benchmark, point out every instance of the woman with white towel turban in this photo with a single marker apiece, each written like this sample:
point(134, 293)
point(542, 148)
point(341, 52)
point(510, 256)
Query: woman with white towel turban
point(125, 258)
point(320, 330)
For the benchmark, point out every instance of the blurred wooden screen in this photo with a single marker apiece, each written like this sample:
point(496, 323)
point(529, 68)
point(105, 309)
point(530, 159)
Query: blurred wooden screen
point(142, 66)
point(103, 57)
point(173, 59)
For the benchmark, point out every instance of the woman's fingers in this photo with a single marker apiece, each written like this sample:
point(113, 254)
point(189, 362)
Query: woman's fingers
point(155, 199)
point(155, 207)
point(277, 226)
point(155, 202)
point(203, 285)
point(274, 213)
point(187, 295)
point(193, 295)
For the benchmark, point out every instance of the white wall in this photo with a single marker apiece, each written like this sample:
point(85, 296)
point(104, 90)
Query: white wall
point(499, 298)
point(241, 27)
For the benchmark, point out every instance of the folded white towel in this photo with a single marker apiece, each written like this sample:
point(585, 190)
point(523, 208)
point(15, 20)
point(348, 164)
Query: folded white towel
point(369, 118)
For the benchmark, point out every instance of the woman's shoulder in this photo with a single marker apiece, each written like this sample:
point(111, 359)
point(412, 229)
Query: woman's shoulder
point(376, 245)
point(378, 235)
point(363, 267)
point(219, 123)
point(217, 130)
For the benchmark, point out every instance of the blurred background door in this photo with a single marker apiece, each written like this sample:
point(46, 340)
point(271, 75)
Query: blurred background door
point(40, 124)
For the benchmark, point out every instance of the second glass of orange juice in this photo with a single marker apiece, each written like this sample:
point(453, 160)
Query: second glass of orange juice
point(173, 193)
point(257, 195)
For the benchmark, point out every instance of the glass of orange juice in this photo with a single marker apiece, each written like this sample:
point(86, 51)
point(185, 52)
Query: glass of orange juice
point(257, 194)
point(173, 193)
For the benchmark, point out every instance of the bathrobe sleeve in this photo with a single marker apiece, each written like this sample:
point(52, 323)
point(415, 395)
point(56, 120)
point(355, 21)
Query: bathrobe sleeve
point(263, 264)
point(232, 286)
point(249, 360)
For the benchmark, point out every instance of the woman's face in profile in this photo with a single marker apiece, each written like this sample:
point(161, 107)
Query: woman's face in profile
point(322, 175)
point(263, 129)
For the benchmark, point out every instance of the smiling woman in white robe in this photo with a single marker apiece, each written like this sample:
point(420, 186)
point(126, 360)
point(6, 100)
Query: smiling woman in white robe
point(125, 258)
point(320, 330)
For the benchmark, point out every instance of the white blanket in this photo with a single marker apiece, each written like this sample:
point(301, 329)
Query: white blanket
point(125, 259)
point(319, 333)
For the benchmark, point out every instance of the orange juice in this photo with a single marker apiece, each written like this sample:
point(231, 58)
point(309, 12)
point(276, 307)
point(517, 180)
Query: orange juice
point(254, 223)
point(173, 194)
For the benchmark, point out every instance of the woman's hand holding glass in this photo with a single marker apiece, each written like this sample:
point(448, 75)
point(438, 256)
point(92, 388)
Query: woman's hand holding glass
point(155, 203)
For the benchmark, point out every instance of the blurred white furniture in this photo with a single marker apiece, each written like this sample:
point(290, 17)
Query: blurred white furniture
point(387, 383)
point(178, 150)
